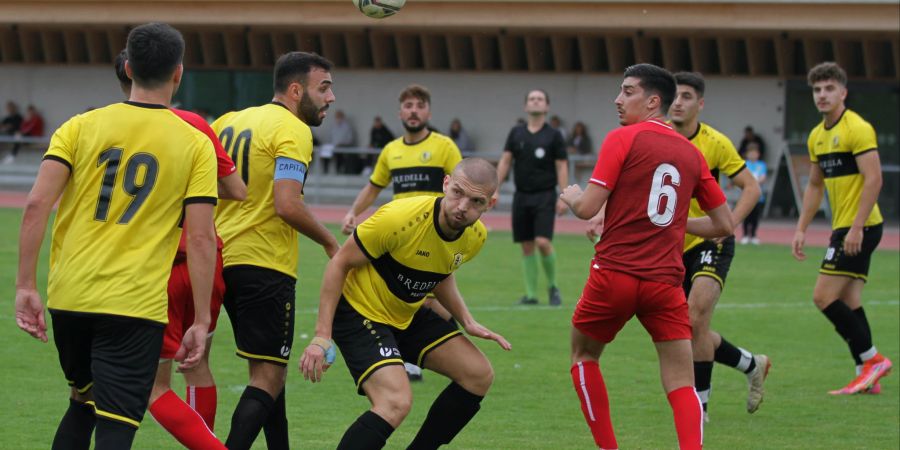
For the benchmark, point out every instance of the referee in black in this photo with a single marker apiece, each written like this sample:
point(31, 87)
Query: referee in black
point(537, 153)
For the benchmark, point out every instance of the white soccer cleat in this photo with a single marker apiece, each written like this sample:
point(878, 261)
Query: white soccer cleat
point(755, 382)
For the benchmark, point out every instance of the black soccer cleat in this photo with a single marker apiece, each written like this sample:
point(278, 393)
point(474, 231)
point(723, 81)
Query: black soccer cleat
point(525, 300)
point(555, 298)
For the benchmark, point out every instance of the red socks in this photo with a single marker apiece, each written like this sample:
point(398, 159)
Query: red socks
point(594, 402)
point(203, 400)
point(183, 423)
point(688, 414)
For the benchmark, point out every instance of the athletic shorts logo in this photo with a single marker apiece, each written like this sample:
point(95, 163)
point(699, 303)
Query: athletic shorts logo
point(539, 153)
point(388, 352)
point(285, 351)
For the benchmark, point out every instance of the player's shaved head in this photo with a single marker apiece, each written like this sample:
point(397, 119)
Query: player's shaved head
point(478, 171)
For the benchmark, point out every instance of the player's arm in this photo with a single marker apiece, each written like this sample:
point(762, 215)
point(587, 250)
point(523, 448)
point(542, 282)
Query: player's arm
point(870, 168)
point(313, 363)
point(585, 205)
point(50, 183)
point(290, 207)
point(812, 198)
point(750, 193)
point(449, 297)
point(718, 223)
point(562, 178)
point(232, 187)
point(363, 201)
point(503, 170)
point(200, 238)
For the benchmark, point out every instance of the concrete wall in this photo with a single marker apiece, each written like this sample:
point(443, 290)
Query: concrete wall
point(487, 104)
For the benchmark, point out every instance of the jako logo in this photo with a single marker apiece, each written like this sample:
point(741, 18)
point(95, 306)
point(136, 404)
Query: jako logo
point(387, 352)
point(285, 351)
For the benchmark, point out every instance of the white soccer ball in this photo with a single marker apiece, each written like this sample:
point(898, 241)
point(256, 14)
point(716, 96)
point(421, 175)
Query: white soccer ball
point(379, 9)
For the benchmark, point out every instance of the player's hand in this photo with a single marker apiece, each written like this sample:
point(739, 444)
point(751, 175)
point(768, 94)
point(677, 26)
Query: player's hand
point(476, 329)
point(316, 360)
point(595, 227)
point(797, 246)
point(561, 207)
point(570, 194)
point(193, 346)
point(30, 313)
point(853, 241)
point(348, 224)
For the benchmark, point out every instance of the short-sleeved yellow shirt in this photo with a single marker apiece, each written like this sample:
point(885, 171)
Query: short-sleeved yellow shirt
point(416, 169)
point(133, 166)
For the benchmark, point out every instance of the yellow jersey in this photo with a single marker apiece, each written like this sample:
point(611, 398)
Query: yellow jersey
point(416, 169)
point(835, 150)
point(252, 233)
point(133, 168)
point(720, 156)
point(409, 256)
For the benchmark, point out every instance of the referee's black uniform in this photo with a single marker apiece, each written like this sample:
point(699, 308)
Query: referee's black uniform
point(534, 172)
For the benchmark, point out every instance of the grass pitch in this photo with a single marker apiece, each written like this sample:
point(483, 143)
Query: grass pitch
point(765, 308)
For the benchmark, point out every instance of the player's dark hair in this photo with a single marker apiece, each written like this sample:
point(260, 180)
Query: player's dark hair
point(692, 79)
point(546, 95)
point(417, 92)
point(154, 53)
point(119, 65)
point(294, 67)
point(654, 80)
point(827, 71)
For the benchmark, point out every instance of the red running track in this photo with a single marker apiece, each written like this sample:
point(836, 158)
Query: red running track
point(770, 232)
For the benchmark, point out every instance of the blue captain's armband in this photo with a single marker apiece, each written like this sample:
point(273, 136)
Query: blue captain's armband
point(290, 169)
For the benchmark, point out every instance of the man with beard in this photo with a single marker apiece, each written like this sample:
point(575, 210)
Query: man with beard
point(272, 147)
point(537, 154)
point(371, 299)
point(415, 164)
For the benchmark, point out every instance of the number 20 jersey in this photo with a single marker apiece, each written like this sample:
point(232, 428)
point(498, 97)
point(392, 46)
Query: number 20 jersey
point(653, 172)
point(133, 168)
point(251, 230)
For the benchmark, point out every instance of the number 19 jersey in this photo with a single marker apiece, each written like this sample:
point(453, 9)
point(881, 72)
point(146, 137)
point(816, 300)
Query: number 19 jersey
point(133, 168)
point(252, 232)
point(652, 172)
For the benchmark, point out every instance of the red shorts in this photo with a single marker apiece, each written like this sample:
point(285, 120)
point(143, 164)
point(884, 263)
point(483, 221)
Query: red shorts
point(611, 298)
point(181, 305)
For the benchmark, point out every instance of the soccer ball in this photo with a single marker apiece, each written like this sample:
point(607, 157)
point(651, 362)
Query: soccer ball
point(379, 9)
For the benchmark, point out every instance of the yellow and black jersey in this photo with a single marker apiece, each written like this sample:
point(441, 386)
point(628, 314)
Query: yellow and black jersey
point(721, 157)
point(253, 234)
point(416, 169)
point(133, 168)
point(409, 257)
point(835, 150)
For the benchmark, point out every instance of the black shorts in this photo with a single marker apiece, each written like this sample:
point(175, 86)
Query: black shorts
point(114, 357)
point(533, 214)
point(260, 305)
point(708, 259)
point(367, 346)
point(837, 263)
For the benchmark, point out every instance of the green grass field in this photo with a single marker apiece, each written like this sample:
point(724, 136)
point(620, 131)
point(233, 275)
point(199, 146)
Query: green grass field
point(766, 308)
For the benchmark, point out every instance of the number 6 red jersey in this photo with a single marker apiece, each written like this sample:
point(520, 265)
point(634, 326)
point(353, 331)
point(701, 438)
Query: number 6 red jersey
point(652, 173)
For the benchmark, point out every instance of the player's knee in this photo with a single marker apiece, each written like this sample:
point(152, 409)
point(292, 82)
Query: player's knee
point(544, 245)
point(393, 407)
point(479, 379)
point(822, 301)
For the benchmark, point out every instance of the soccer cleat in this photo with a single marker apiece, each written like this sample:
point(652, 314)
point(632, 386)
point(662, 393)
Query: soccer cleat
point(525, 300)
point(555, 298)
point(874, 390)
point(872, 371)
point(745, 240)
point(755, 381)
point(413, 371)
point(754, 241)
point(705, 417)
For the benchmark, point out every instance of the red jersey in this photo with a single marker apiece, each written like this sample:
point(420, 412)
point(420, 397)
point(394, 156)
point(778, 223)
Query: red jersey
point(652, 172)
point(224, 166)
